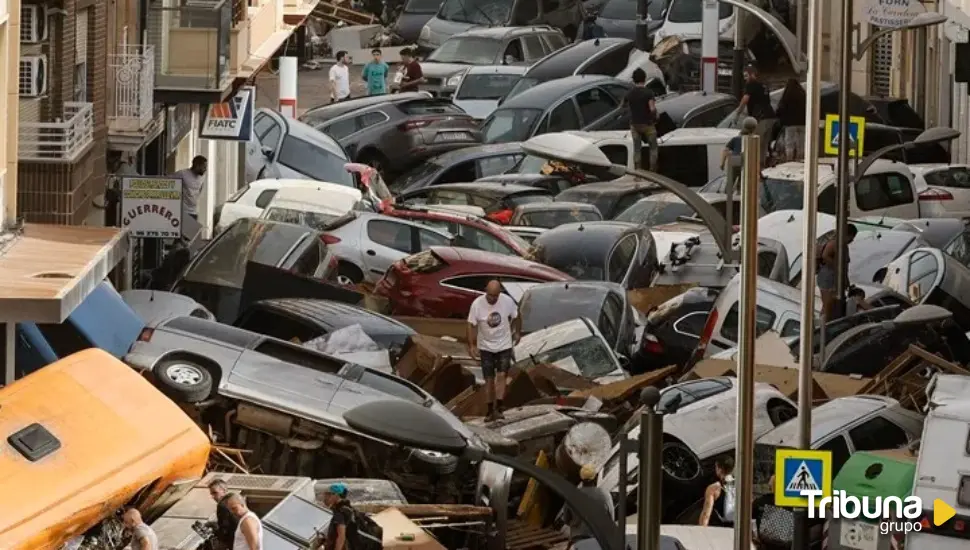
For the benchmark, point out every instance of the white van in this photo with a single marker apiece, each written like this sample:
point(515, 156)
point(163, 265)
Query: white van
point(943, 466)
point(312, 207)
point(679, 155)
point(682, 18)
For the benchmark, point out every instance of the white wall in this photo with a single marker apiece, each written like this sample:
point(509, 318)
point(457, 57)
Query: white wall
point(954, 104)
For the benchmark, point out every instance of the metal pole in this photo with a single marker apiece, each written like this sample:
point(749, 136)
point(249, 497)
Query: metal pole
point(919, 84)
point(709, 46)
point(625, 442)
point(642, 40)
point(651, 440)
point(737, 65)
point(289, 69)
point(751, 174)
point(842, 212)
point(809, 238)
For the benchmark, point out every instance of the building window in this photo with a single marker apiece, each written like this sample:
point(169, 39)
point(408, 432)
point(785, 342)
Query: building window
point(81, 61)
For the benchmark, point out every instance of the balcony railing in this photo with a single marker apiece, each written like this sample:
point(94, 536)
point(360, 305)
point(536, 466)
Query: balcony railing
point(60, 141)
point(132, 74)
point(191, 45)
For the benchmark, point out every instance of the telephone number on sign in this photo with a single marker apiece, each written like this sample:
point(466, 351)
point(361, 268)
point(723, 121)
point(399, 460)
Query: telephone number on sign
point(159, 234)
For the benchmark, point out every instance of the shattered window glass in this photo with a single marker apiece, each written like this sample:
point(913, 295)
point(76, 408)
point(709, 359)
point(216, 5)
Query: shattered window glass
point(424, 262)
point(589, 356)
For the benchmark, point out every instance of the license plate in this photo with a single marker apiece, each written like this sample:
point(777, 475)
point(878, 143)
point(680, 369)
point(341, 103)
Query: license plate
point(724, 72)
point(858, 535)
point(452, 136)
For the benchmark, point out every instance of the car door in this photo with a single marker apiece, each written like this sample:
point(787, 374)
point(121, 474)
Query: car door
point(889, 194)
point(620, 259)
point(386, 240)
point(597, 109)
point(263, 144)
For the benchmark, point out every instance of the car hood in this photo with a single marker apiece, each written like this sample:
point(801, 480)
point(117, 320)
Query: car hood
point(408, 25)
point(478, 108)
point(442, 70)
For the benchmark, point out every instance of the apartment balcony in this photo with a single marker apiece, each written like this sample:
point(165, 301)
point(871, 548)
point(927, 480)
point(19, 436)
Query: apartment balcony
point(202, 47)
point(132, 117)
point(62, 141)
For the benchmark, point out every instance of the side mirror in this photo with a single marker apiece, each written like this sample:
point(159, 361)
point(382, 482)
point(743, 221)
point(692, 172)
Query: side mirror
point(268, 152)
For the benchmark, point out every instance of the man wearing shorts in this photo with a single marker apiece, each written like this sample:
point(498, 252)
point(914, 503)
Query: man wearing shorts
point(493, 329)
point(826, 276)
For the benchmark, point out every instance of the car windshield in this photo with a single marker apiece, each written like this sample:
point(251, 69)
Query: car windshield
point(316, 220)
point(480, 12)
point(554, 218)
point(486, 86)
point(508, 125)
point(522, 85)
point(224, 262)
point(529, 165)
point(577, 262)
point(781, 194)
point(421, 171)
point(651, 213)
point(589, 356)
point(314, 161)
point(469, 50)
point(690, 11)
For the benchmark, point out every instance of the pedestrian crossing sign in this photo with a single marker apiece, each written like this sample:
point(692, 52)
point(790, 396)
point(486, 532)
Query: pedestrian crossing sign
point(797, 471)
point(833, 134)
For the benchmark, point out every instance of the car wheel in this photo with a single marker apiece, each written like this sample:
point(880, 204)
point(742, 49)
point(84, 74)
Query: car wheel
point(679, 462)
point(780, 412)
point(433, 462)
point(183, 380)
point(348, 274)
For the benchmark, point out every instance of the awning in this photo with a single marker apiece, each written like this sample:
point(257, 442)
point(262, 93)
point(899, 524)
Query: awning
point(47, 270)
point(262, 54)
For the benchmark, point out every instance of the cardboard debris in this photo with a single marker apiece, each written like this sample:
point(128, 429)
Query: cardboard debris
point(401, 532)
point(825, 386)
point(430, 326)
point(423, 354)
point(645, 299)
point(771, 349)
point(625, 389)
point(904, 379)
point(520, 389)
point(562, 379)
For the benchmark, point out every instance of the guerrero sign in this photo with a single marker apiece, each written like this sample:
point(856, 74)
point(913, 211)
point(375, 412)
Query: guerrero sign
point(152, 207)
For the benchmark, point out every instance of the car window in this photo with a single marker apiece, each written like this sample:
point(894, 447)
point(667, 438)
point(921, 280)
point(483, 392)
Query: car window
point(533, 48)
point(955, 176)
point(691, 324)
point(610, 63)
point(263, 199)
point(963, 491)
point(262, 123)
point(628, 200)
point(840, 452)
point(285, 215)
point(64, 338)
point(508, 125)
point(563, 117)
point(708, 118)
point(429, 107)
point(621, 257)
point(459, 173)
point(878, 433)
point(390, 385)
point(390, 234)
point(486, 86)
point(374, 118)
point(618, 91)
point(309, 261)
point(491, 166)
point(691, 392)
point(482, 240)
point(791, 327)
point(471, 282)
point(270, 323)
point(764, 320)
point(826, 200)
point(449, 197)
point(610, 317)
point(314, 162)
point(555, 40)
point(923, 269)
point(959, 248)
point(594, 104)
point(271, 138)
point(686, 164)
point(618, 154)
point(882, 191)
point(341, 128)
point(427, 239)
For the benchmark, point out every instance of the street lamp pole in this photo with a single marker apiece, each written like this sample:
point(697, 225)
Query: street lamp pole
point(649, 506)
point(921, 21)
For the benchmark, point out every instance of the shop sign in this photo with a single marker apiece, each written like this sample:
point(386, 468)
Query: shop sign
point(152, 207)
point(891, 13)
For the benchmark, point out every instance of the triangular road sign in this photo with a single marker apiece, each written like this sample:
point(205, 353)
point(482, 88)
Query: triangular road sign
point(803, 480)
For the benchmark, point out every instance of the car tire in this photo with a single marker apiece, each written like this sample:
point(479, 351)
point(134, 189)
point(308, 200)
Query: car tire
point(432, 462)
point(679, 462)
point(348, 274)
point(183, 380)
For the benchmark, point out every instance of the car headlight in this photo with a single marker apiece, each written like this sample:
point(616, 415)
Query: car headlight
point(453, 81)
point(425, 33)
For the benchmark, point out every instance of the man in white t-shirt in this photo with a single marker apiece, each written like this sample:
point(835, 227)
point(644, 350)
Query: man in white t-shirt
point(494, 328)
point(340, 78)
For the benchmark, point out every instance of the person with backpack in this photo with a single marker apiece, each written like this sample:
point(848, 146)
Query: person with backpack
point(719, 496)
point(349, 528)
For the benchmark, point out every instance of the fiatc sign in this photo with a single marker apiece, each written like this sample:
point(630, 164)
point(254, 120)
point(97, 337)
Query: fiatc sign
point(152, 207)
point(232, 120)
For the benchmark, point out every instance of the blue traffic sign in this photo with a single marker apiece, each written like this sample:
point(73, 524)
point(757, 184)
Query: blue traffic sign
point(833, 134)
point(797, 471)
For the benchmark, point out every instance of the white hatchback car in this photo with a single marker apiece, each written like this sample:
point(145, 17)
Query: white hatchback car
point(949, 184)
point(313, 207)
point(251, 200)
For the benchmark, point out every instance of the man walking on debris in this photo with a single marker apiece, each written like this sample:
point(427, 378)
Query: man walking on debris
point(643, 120)
point(249, 530)
point(226, 522)
point(494, 328)
point(342, 527)
point(597, 496)
point(142, 536)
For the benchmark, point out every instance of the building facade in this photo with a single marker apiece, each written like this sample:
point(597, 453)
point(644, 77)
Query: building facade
point(9, 53)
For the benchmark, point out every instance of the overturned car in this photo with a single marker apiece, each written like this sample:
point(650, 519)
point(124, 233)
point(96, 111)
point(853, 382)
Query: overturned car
point(284, 403)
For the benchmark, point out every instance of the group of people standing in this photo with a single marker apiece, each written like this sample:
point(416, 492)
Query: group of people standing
point(375, 75)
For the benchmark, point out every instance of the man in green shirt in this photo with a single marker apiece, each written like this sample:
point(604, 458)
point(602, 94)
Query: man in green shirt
point(375, 74)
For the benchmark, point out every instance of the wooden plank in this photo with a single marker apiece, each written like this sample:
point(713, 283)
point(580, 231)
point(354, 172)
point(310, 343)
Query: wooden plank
point(625, 388)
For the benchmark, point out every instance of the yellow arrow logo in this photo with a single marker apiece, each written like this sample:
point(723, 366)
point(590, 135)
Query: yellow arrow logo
point(942, 512)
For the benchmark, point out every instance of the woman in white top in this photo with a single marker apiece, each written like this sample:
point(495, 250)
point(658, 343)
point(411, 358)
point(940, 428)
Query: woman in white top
point(249, 530)
point(720, 494)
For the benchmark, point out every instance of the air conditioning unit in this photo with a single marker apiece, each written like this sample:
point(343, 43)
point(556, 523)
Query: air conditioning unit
point(33, 24)
point(33, 75)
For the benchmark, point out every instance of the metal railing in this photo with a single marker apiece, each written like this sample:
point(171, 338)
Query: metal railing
point(61, 141)
point(132, 73)
point(183, 36)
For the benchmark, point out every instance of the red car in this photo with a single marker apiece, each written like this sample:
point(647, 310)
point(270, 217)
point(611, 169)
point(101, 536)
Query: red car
point(444, 281)
point(473, 231)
